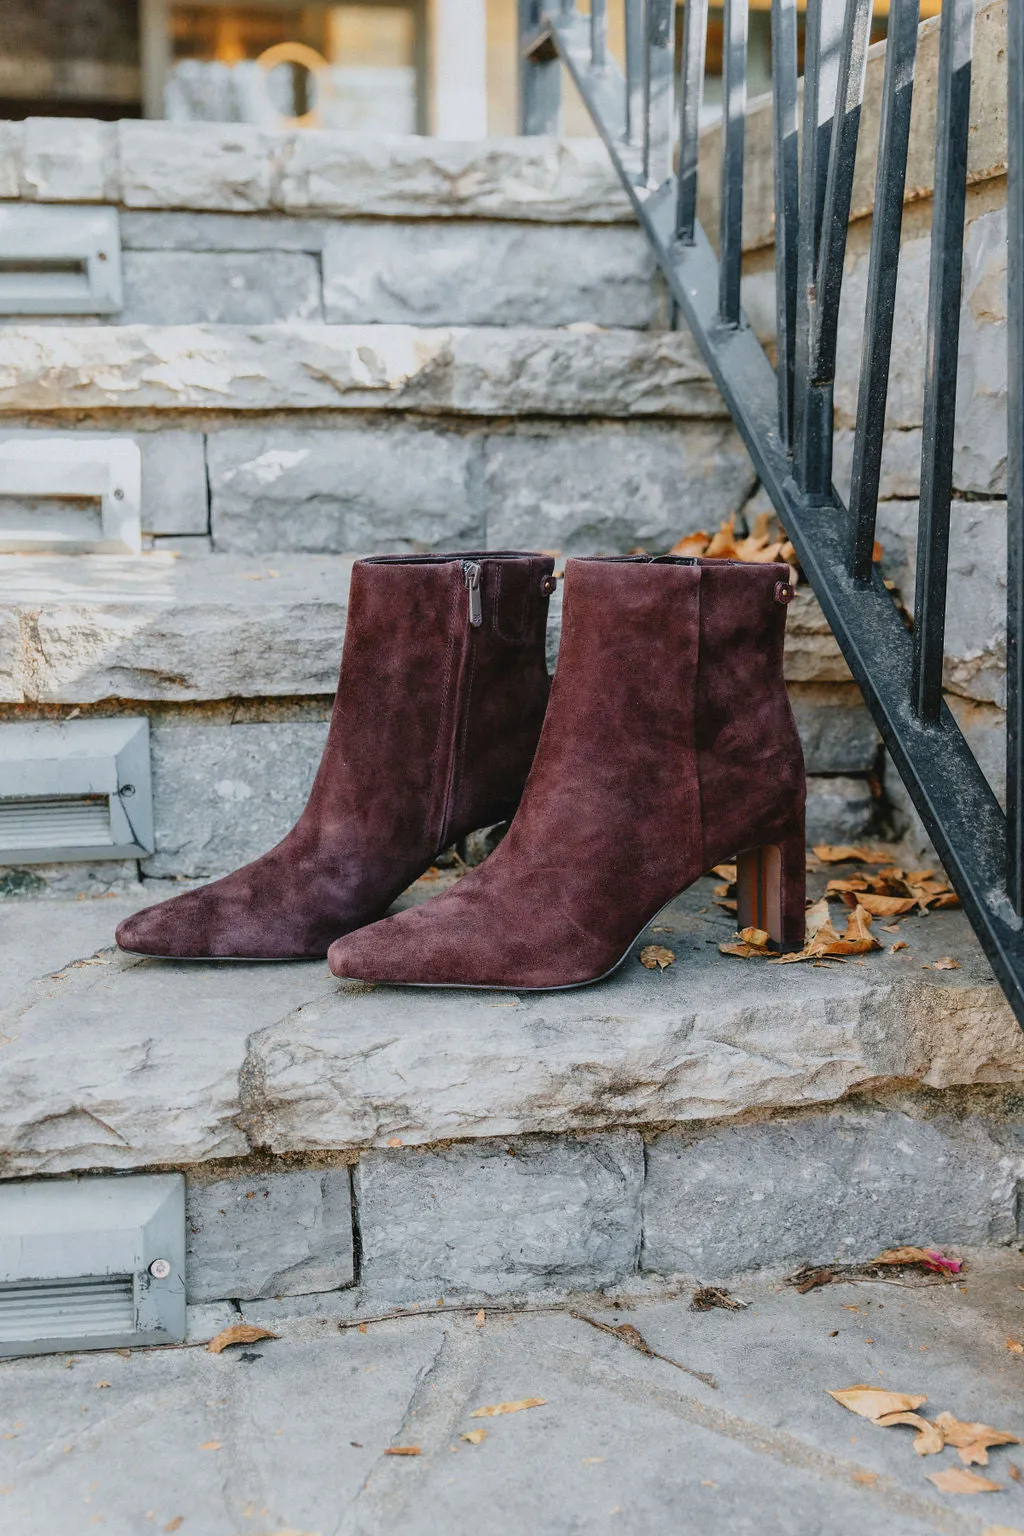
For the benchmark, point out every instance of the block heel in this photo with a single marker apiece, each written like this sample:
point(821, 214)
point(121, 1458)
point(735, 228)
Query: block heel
point(771, 883)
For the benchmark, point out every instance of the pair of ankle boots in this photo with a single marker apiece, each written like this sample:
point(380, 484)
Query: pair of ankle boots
point(667, 745)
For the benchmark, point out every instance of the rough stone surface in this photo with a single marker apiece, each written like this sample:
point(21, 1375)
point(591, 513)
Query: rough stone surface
point(68, 161)
point(843, 1185)
point(165, 627)
point(283, 1233)
point(557, 1211)
point(174, 491)
point(381, 486)
point(836, 731)
point(488, 371)
point(839, 808)
point(473, 273)
point(97, 627)
point(584, 491)
point(222, 794)
point(214, 288)
point(229, 232)
point(975, 664)
point(12, 141)
point(304, 1422)
point(131, 1063)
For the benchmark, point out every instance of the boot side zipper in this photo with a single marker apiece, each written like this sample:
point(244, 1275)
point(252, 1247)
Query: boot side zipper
point(471, 577)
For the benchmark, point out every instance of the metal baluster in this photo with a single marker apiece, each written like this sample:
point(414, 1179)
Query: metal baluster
point(598, 34)
point(659, 67)
point(821, 70)
point(828, 277)
point(786, 166)
point(883, 266)
point(634, 70)
point(691, 95)
point(734, 112)
point(946, 271)
point(540, 77)
point(1015, 460)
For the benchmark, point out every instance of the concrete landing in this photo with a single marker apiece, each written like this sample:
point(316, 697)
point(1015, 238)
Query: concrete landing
point(117, 1062)
point(289, 1436)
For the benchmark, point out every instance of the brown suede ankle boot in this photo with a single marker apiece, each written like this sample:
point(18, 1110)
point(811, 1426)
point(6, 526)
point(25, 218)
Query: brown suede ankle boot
point(668, 745)
point(440, 702)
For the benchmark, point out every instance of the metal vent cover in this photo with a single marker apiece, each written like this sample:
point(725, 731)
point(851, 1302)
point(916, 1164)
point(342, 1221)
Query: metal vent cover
point(70, 495)
point(90, 1263)
point(61, 260)
point(74, 791)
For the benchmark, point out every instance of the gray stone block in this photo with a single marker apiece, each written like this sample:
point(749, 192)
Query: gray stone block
point(167, 231)
point(69, 161)
point(842, 1185)
point(219, 288)
point(836, 731)
point(283, 1233)
point(975, 664)
point(222, 794)
point(840, 809)
point(383, 487)
point(493, 1217)
point(475, 273)
point(605, 489)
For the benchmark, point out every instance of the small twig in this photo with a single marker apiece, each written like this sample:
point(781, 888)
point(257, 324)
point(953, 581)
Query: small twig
point(627, 1334)
point(449, 1306)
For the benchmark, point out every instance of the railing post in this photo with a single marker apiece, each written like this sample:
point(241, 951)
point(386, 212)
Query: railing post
point(1015, 461)
point(540, 76)
point(659, 67)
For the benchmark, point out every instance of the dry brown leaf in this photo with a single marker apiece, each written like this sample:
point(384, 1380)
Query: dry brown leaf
point(956, 1480)
point(475, 1436)
point(972, 1440)
point(634, 1337)
point(240, 1333)
point(840, 887)
point(946, 963)
point(749, 943)
point(1015, 1472)
point(927, 1442)
point(886, 906)
point(946, 900)
point(492, 1410)
point(903, 1255)
point(723, 543)
point(402, 1450)
point(210, 1445)
point(691, 544)
point(895, 948)
point(480, 1318)
point(815, 917)
point(743, 951)
point(725, 872)
point(657, 955)
point(1002, 1530)
point(100, 1384)
point(1015, 1346)
point(172, 1525)
point(843, 853)
point(874, 1402)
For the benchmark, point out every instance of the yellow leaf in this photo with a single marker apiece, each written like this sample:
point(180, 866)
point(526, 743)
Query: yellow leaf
point(480, 1318)
point(874, 1402)
point(210, 1445)
point(475, 1436)
point(956, 1480)
point(240, 1333)
point(1015, 1346)
point(725, 872)
point(492, 1410)
point(972, 1440)
point(946, 963)
point(172, 1525)
point(842, 853)
point(927, 1442)
point(692, 544)
point(886, 906)
point(657, 955)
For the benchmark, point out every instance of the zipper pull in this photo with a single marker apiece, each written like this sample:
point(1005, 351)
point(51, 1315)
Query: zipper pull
point(471, 576)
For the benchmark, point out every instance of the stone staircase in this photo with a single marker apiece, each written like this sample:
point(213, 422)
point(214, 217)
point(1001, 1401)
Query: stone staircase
point(326, 347)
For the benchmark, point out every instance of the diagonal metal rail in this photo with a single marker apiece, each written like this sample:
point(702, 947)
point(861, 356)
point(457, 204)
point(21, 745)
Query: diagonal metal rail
point(786, 415)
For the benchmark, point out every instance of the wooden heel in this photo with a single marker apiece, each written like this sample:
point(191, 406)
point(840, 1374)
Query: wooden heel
point(770, 889)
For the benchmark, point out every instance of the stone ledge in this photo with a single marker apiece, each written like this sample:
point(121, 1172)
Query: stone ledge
point(485, 371)
point(126, 1063)
point(178, 628)
point(237, 168)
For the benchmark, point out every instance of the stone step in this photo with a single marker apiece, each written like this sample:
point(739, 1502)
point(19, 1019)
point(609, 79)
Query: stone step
point(716, 1116)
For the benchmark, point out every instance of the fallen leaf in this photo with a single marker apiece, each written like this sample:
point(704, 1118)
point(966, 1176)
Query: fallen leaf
point(972, 1440)
point(100, 1384)
point(840, 887)
point(723, 543)
point(956, 1480)
point(862, 1475)
point(1015, 1472)
point(634, 1337)
point(657, 955)
point(929, 1439)
point(947, 899)
point(1016, 1346)
point(480, 1318)
point(895, 948)
point(885, 906)
point(707, 1296)
point(1002, 1530)
point(475, 1436)
point(874, 1402)
point(239, 1333)
point(402, 1450)
point(172, 1525)
point(692, 544)
point(492, 1410)
point(725, 872)
point(946, 963)
point(844, 853)
point(210, 1445)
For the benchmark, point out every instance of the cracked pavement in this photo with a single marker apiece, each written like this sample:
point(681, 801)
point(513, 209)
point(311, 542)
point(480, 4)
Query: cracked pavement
point(288, 1436)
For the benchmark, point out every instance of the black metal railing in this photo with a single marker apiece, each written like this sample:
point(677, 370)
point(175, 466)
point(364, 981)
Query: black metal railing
point(786, 414)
